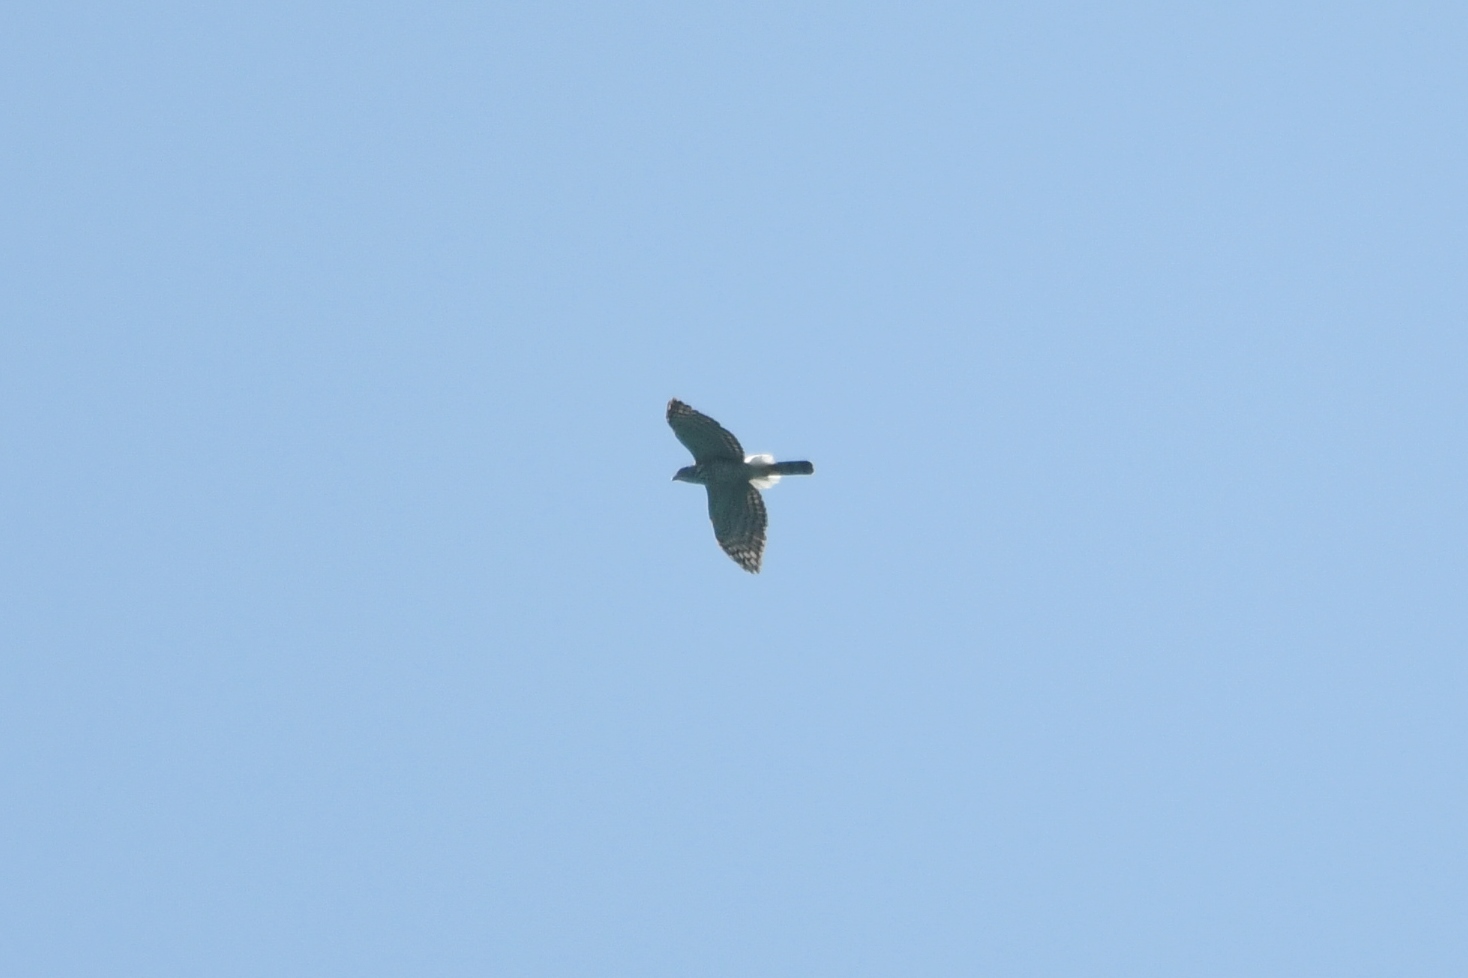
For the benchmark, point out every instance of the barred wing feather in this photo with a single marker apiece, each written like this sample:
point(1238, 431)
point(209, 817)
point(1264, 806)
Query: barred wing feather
point(738, 514)
point(702, 435)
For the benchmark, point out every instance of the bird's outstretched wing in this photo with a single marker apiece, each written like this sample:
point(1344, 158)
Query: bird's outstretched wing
point(738, 515)
point(702, 435)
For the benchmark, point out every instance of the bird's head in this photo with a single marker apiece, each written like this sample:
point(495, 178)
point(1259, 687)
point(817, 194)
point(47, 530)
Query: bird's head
point(686, 474)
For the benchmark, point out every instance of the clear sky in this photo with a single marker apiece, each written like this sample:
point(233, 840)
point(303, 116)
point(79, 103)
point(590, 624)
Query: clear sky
point(352, 625)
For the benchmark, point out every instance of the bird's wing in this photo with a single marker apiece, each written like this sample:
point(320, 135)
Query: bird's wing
point(702, 435)
point(738, 515)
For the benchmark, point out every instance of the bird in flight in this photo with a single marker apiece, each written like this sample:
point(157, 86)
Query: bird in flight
point(733, 481)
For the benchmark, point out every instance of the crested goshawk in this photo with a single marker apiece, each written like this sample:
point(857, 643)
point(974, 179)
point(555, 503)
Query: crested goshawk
point(733, 481)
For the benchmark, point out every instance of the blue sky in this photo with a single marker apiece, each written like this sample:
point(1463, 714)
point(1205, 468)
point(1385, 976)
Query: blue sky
point(352, 625)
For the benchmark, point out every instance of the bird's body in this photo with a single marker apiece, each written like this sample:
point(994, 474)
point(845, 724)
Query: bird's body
point(760, 470)
point(733, 481)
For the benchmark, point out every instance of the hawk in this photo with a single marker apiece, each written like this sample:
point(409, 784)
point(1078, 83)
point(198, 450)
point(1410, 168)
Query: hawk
point(733, 481)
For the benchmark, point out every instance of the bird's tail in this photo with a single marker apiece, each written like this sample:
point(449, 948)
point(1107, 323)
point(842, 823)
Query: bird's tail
point(776, 469)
